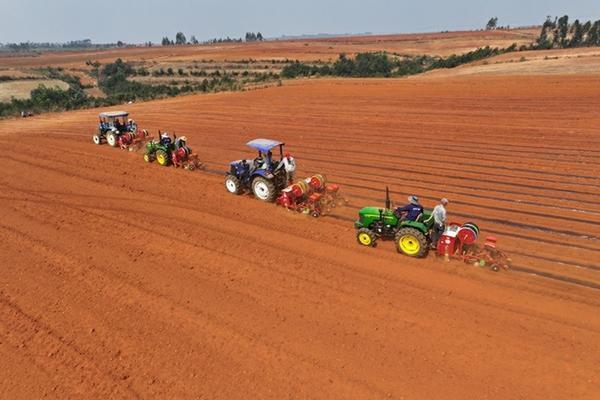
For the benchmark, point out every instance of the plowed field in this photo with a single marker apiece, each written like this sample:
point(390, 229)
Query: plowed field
point(126, 280)
point(302, 49)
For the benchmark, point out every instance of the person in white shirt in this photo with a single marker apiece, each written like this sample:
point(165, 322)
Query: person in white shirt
point(290, 167)
point(439, 222)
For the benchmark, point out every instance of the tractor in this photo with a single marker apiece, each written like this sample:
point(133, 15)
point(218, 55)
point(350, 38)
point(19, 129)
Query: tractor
point(112, 125)
point(171, 152)
point(411, 237)
point(159, 150)
point(263, 176)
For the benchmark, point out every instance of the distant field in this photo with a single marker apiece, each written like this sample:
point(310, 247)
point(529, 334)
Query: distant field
point(302, 49)
point(249, 64)
point(18, 74)
point(22, 89)
point(580, 61)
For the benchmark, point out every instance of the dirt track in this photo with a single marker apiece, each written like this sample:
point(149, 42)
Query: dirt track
point(124, 280)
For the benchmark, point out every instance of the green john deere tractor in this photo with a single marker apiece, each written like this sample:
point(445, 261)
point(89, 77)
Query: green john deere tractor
point(411, 237)
point(159, 150)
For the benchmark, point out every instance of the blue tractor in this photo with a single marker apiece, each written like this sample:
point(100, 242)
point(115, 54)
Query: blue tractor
point(111, 126)
point(263, 175)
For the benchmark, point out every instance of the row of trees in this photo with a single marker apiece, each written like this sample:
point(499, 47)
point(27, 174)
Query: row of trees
point(73, 44)
point(382, 65)
point(492, 25)
point(180, 39)
point(559, 33)
point(112, 79)
point(223, 40)
point(254, 37)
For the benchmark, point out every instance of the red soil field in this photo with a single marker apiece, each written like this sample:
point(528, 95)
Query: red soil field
point(301, 49)
point(125, 280)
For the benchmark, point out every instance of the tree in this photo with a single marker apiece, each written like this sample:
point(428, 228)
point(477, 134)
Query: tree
point(492, 24)
point(259, 36)
point(593, 36)
point(343, 66)
point(193, 40)
point(585, 29)
point(577, 34)
point(120, 44)
point(166, 41)
point(180, 38)
point(562, 30)
point(372, 64)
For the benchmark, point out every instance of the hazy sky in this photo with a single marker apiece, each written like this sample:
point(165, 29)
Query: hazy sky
point(139, 21)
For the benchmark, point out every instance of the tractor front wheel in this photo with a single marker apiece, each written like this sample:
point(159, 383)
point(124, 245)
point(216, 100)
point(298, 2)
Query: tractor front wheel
point(162, 158)
point(263, 189)
point(111, 139)
point(97, 139)
point(366, 237)
point(411, 242)
point(148, 158)
point(232, 184)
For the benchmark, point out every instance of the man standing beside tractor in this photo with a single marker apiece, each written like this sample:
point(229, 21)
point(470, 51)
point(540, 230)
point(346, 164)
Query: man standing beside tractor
point(289, 163)
point(439, 222)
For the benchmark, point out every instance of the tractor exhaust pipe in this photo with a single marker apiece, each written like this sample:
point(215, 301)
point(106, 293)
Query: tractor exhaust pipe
point(388, 202)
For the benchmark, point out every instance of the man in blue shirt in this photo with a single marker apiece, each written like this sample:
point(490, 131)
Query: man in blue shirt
point(411, 211)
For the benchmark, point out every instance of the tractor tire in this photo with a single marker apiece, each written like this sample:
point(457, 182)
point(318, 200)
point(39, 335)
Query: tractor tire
point(111, 139)
point(411, 242)
point(97, 139)
point(233, 185)
point(366, 237)
point(263, 189)
point(148, 158)
point(162, 158)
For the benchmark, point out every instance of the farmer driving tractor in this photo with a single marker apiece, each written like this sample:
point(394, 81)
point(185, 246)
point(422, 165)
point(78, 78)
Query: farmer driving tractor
point(131, 125)
point(165, 139)
point(411, 211)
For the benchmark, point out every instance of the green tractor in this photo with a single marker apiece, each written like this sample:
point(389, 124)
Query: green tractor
point(411, 237)
point(159, 150)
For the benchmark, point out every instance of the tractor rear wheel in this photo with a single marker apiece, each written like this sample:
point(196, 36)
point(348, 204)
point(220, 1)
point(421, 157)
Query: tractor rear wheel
point(111, 139)
point(411, 242)
point(263, 189)
point(232, 184)
point(162, 158)
point(366, 237)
